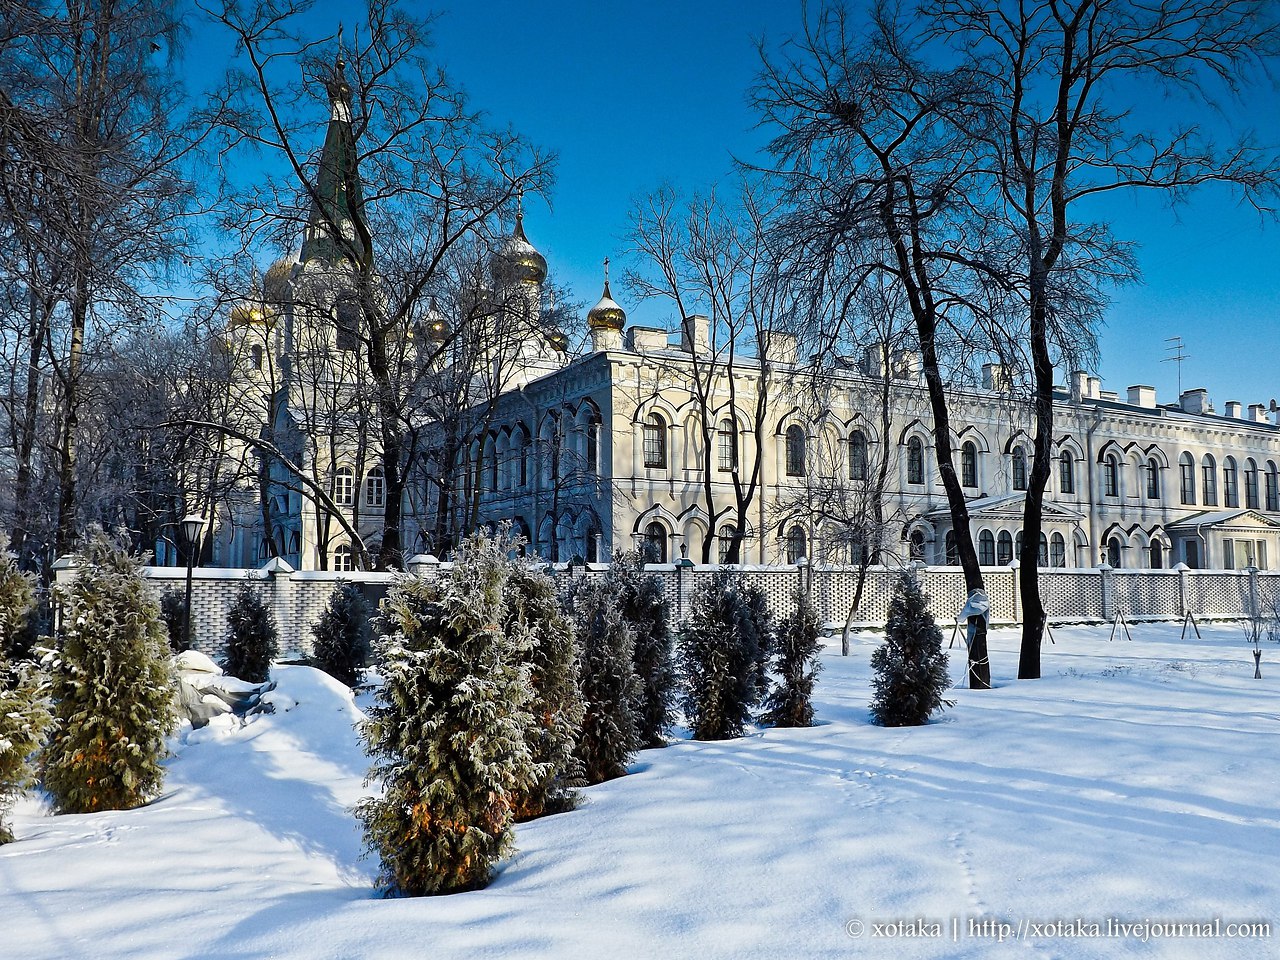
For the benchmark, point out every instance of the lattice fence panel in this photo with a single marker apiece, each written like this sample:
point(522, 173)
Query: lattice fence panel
point(947, 593)
point(1001, 586)
point(1074, 595)
point(1269, 592)
point(1217, 594)
point(1147, 593)
point(778, 587)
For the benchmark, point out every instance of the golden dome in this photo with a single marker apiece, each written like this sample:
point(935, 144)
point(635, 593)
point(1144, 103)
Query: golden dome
point(275, 285)
point(518, 260)
point(243, 314)
point(606, 315)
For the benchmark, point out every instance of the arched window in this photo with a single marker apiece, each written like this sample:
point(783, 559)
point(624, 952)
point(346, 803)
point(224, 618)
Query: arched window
point(1153, 479)
point(343, 487)
point(1057, 551)
point(726, 542)
point(915, 461)
point(655, 542)
point(1019, 469)
point(1230, 483)
point(1251, 484)
point(1273, 486)
point(1111, 476)
point(969, 464)
point(375, 488)
point(255, 352)
point(1066, 472)
point(346, 319)
point(1187, 471)
point(1004, 548)
point(655, 442)
point(796, 454)
point(1042, 556)
point(727, 442)
point(1209, 480)
point(343, 559)
point(949, 545)
point(986, 549)
point(592, 546)
point(1113, 552)
point(858, 455)
point(526, 455)
point(593, 444)
point(1157, 555)
point(795, 544)
point(916, 542)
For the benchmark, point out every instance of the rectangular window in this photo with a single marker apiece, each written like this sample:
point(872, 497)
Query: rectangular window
point(1192, 551)
point(1260, 555)
point(1228, 554)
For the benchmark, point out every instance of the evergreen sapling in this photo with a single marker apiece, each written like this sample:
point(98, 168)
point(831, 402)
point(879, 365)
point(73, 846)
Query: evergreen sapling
point(790, 704)
point(253, 642)
point(719, 651)
point(910, 666)
point(645, 609)
point(450, 731)
point(340, 641)
point(112, 686)
point(608, 740)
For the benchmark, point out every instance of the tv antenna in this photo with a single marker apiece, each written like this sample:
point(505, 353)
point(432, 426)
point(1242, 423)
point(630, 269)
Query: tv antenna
point(1178, 357)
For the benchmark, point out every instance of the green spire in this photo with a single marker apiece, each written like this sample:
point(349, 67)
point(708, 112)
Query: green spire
point(337, 201)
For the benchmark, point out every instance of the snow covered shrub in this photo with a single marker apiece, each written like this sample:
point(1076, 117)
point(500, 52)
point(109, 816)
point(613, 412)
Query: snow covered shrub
point(173, 611)
point(910, 667)
point(536, 620)
point(253, 642)
point(758, 631)
point(608, 740)
point(17, 598)
point(719, 659)
point(790, 704)
point(450, 731)
point(24, 716)
point(24, 713)
point(341, 639)
point(645, 610)
point(112, 686)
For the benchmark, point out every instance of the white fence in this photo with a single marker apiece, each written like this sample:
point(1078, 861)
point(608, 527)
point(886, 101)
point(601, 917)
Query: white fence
point(297, 598)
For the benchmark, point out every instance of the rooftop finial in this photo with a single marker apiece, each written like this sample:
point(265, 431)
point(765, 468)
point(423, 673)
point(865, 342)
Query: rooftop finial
point(336, 83)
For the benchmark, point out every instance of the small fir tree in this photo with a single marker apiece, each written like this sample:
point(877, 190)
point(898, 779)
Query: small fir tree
point(758, 631)
point(112, 686)
point(24, 711)
point(173, 611)
point(17, 600)
point(609, 739)
point(790, 704)
point(910, 666)
point(535, 619)
point(253, 642)
point(340, 645)
point(645, 609)
point(719, 660)
point(450, 731)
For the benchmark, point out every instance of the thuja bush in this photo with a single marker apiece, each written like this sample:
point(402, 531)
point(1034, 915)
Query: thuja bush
point(537, 623)
point(112, 686)
point(719, 650)
point(173, 611)
point(253, 642)
point(609, 738)
point(790, 703)
point(451, 729)
point(910, 666)
point(644, 608)
point(340, 640)
point(24, 711)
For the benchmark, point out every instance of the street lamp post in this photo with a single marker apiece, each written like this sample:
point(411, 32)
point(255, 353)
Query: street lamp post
point(192, 524)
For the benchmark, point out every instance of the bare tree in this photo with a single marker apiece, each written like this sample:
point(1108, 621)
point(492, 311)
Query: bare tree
point(884, 183)
point(1063, 126)
point(408, 174)
point(705, 255)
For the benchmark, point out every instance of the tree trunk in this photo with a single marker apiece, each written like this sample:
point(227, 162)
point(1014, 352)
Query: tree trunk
point(1033, 615)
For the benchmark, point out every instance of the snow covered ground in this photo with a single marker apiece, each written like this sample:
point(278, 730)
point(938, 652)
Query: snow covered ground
point(1138, 782)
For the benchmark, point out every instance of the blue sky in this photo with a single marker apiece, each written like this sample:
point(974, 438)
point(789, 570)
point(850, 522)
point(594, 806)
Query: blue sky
point(632, 95)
